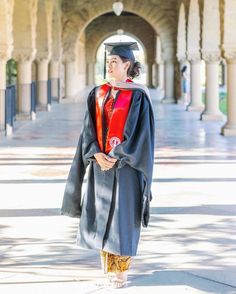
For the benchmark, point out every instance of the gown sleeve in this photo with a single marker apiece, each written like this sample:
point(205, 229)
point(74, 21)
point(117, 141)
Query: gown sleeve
point(137, 148)
point(86, 148)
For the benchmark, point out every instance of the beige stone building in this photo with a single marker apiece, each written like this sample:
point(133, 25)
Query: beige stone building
point(54, 44)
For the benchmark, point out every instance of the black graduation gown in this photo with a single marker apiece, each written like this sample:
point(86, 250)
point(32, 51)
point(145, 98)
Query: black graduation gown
point(115, 202)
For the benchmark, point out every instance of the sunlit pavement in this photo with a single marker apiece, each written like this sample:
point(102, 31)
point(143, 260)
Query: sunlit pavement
point(190, 245)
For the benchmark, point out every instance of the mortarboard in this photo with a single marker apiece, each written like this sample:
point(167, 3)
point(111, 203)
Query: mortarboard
point(123, 49)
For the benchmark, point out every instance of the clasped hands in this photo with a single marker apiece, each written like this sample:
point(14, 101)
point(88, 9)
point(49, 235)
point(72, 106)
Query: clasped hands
point(106, 162)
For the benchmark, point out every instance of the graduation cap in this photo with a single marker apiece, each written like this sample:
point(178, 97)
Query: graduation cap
point(123, 49)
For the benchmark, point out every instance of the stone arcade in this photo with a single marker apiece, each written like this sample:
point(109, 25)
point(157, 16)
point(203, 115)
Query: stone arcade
point(57, 41)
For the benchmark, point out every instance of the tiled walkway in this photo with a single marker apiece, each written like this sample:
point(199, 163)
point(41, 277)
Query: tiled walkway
point(190, 245)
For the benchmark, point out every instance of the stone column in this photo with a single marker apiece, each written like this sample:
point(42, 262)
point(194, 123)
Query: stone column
point(71, 82)
point(149, 75)
point(155, 75)
point(42, 84)
point(169, 82)
point(62, 82)
point(2, 94)
point(212, 111)
point(54, 77)
point(161, 75)
point(225, 72)
point(145, 69)
point(90, 73)
point(196, 86)
point(181, 53)
point(24, 79)
point(194, 56)
point(161, 80)
point(229, 129)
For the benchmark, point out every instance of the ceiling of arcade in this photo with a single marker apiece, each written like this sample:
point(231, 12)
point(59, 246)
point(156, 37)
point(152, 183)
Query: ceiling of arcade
point(161, 15)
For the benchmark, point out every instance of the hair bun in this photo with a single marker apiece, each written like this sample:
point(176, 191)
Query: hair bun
point(134, 70)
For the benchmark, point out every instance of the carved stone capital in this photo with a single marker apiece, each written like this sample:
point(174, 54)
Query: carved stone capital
point(230, 56)
point(23, 55)
point(181, 57)
point(169, 62)
point(42, 56)
point(54, 61)
point(194, 57)
point(55, 58)
point(160, 62)
point(3, 55)
point(69, 58)
point(210, 56)
point(5, 52)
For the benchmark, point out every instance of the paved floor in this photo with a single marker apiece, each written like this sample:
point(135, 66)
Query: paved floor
point(190, 245)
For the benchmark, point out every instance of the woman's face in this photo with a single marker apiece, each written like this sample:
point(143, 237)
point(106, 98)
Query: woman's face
point(116, 68)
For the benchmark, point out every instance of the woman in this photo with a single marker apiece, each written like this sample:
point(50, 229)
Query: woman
point(185, 81)
point(117, 145)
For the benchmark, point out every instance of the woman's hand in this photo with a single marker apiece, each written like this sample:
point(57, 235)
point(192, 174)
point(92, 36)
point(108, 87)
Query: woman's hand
point(106, 162)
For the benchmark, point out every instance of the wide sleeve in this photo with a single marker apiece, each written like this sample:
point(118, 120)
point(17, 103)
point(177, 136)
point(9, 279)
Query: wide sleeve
point(137, 148)
point(87, 146)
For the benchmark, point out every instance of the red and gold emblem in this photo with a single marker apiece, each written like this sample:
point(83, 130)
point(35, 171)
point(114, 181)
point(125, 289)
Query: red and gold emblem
point(114, 141)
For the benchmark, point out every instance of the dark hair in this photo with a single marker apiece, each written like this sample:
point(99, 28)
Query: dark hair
point(134, 69)
point(183, 69)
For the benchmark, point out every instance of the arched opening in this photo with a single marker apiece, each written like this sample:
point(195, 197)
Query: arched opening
point(128, 26)
point(11, 72)
point(11, 91)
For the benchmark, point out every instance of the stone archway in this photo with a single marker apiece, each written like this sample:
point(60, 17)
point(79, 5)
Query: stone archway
point(77, 16)
point(131, 25)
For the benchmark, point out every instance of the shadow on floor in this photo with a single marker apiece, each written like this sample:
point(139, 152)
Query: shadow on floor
point(180, 278)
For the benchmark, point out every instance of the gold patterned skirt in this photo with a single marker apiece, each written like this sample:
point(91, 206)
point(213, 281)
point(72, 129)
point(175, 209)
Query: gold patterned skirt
point(114, 263)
